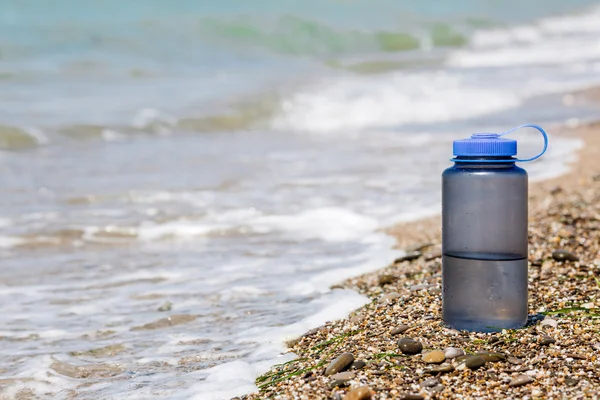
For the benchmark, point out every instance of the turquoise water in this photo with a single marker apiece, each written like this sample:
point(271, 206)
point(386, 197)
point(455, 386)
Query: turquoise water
point(236, 159)
point(109, 58)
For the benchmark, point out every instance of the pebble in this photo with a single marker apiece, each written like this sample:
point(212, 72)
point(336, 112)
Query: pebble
point(337, 383)
point(407, 396)
point(474, 362)
point(462, 358)
point(520, 380)
point(343, 376)
point(389, 297)
point(341, 363)
point(386, 279)
point(493, 339)
point(360, 393)
point(358, 364)
point(415, 288)
point(311, 332)
point(409, 346)
point(546, 340)
point(571, 381)
point(576, 356)
point(437, 389)
point(492, 376)
point(549, 322)
point(563, 255)
point(429, 382)
point(433, 255)
point(443, 368)
point(491, 357)
point(413, 255)
point(399, 329)
point(453, 352)
point(434, 357)
point(514, 360)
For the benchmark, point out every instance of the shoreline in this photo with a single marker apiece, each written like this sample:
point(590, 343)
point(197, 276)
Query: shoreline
point(406, 302)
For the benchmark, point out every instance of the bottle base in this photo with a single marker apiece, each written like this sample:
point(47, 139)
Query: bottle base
point(484, 295)
point(486, 326)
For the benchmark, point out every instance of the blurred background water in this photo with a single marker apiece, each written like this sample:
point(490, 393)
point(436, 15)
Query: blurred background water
point(227, 161)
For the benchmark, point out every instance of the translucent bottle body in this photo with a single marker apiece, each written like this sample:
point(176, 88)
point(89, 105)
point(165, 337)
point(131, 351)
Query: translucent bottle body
point(484, 245)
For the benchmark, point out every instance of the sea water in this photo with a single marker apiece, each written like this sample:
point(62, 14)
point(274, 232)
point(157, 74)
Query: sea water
point(226, 162)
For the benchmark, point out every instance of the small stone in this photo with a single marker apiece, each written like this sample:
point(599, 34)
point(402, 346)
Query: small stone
point(311, 332)
point(358, 364)
point(491, 357)
point(520, 380)
point(474, 362)
point(422, 286)
point(563, 255)
point(440, 369)
point(399, 329)
point(453, 352)
point(357, 318)
point(491, 376)
point(434, 357)
point(165, 307)
point(576, 356)
point(514, 360)
point(408, 396)
point(549, 322)
point(433, 255)
point(360, 393)
point(437, 388)
point(409, 256)
point(429, 382)
point(386, 279)
point(462, 358)
point(493, 339)
point(337, 383)
point(343, 376)
point(341, 363)
point(546, 340)
point(389, 297)
point(571, 381)
point(409, 346)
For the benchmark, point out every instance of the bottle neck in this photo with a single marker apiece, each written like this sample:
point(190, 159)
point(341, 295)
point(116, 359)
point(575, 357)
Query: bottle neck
point(486, 162)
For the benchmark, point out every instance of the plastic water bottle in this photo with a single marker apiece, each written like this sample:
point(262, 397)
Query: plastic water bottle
point(484, 234)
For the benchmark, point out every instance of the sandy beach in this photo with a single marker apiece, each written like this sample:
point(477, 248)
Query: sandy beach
point(554, 356)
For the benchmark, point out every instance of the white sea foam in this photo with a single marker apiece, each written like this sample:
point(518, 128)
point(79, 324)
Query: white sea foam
point(551, 41)
point(237, 377)
point(330, 224)
point(7, 242)
point(346, 105)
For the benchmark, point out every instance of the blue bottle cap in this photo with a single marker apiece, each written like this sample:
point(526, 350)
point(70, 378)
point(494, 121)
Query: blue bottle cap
point(492, 145)
point(485, 145)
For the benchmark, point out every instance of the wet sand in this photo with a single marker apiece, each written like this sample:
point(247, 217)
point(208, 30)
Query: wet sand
point(555, 356)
